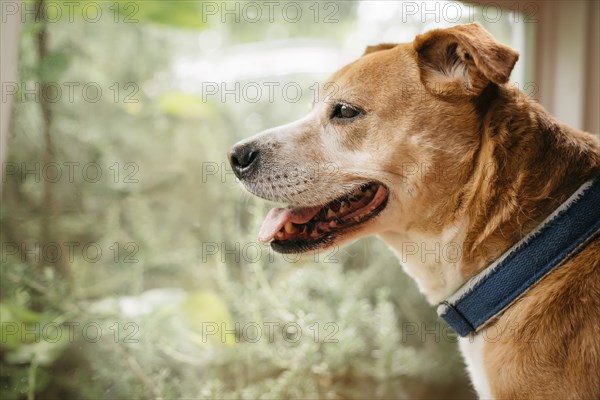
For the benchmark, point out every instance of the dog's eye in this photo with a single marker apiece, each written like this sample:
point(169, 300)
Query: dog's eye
point(344, 111)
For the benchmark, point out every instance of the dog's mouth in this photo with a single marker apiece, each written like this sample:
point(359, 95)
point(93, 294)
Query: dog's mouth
point(297, 230)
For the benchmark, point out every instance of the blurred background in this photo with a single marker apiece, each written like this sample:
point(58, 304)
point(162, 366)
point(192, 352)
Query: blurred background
point(130, 267)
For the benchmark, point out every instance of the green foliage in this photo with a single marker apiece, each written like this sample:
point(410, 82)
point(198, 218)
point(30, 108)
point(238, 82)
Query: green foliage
point(53, 66)
point(185, 105)
point(184, 14)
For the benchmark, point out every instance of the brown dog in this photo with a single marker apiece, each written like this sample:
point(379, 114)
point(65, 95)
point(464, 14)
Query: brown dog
point(427, 145)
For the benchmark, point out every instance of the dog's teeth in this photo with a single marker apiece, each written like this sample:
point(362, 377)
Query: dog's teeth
point(330, 213)
point(290, 227)
point(344, 207)
point(279, 235)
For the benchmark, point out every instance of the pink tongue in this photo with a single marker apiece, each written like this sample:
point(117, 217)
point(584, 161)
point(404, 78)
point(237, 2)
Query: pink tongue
point(278, 217)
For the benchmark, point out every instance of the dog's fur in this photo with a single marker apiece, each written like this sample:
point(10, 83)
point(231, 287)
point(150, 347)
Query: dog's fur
point(469, 160)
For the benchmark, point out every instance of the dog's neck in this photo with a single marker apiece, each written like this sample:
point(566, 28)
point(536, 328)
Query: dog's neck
point(433, 261)
point(526, 166)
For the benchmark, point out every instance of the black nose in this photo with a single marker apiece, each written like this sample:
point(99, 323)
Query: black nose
point(242, 158)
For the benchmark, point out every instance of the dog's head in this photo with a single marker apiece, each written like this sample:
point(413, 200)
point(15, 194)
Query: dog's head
point(386, 147)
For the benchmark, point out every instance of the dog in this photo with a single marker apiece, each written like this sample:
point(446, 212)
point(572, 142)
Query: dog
point(427, 144)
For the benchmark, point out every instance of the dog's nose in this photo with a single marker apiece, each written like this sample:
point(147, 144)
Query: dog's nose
point(242, 158)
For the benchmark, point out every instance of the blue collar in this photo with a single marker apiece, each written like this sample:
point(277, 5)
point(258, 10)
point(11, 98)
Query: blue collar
point(559, 237)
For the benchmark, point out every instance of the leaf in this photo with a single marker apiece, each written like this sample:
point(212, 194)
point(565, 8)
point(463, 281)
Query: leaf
point(184, 105)
point(17, 313)
point(43, 351)
point(186, 14)
point(52, 67)
point(14, 319)
point(203, 308)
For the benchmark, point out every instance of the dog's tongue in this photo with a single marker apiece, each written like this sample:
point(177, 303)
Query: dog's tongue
point(278, 217)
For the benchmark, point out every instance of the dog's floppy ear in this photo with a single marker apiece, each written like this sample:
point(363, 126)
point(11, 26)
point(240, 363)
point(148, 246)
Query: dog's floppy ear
point(463, 58)
point(382, 46)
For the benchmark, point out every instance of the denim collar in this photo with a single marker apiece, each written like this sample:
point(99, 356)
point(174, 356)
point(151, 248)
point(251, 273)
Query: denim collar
point(562, 235)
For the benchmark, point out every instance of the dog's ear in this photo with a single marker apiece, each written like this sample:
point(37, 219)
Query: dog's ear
point(379, 47)
point(463, 59)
